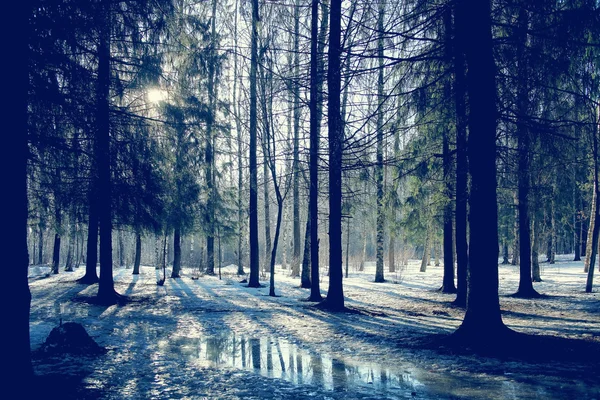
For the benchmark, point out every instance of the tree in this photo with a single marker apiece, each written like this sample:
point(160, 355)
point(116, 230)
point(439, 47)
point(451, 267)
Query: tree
point(482, 322)
point(17, 368)
point(253, 210)
point(379, 166)
point(335, 295)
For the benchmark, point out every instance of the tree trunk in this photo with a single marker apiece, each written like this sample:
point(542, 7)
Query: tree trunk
point(253, 210)
point(525, 289)
point(535, 262)
point(71, 247)
point(482, 324)
point(40, 254)
point(596, 226)
point(576, 222)
point(296, 165)
point(91, 259)
point(121, 248)
point(106, 290)
point(315, 121)
point(347, 245)
point(379, 166)
point(426, 254)
point(505, 253)
point(267, 206)
point(17, 370)
point(448, 279)
point(209, 156)
point(138, 252)
point(335, 295)
point(238, 126)
point(516, 243)
point(175, 273)
point(588, 251)
point(461, 173)
point(275, 243)
point(392, 252)
point(56, 254)
point(305, 277)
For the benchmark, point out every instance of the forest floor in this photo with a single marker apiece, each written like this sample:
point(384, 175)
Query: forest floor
point(215, 338)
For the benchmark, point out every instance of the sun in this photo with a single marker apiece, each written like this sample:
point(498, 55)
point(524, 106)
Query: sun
point(156, 95)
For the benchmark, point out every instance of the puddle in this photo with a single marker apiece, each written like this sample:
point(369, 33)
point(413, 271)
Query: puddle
point(278, 358)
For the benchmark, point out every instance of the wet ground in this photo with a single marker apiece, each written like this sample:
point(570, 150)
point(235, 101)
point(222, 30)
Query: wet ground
point(216, 339)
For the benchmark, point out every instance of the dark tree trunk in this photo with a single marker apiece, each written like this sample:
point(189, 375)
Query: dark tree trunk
point(138, 253)
point(461, 174)
point(91, 259)
point(106, 289)
point(315, 120)
point(40, 254)
point(253, 210)
point(448, 280)
point(56, 254)
point(335, 295)
point(305, 277)
point(482, 324)
point(176, 253)
point(275, 243)
point(505, 253)
point(535, 262)
point(525, 289)
point(16, 368)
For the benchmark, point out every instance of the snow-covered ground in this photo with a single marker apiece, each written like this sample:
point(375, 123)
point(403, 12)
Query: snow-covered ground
point(211, 338)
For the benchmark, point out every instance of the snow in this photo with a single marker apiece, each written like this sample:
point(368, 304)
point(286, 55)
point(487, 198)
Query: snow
point(211, 338)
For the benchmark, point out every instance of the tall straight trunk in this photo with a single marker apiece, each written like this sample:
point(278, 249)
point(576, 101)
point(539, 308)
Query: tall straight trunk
point(379, 166)
point(91, 259)
point(106, 290)
point(535, 262)
point(56, 250)
point(71, 246)
point(315, 122)
point(138, 252)
point(347, 245)
point(392, 252)
point(253, 210)
point(209, 156)
point(596, 213)
point(576, 222)
point(516, 244)
point(482, 324)
point(335, 295)
point(238, 126)
point(275, 243)
point(448, 279)
point(426, 251)
point(462, 248)
point(121, 248)
point(505, 253)
point(17, 370)
point(305, 276)
point(296, 165)
point(266, 198)
point(552, 242)
point(40, 254)
point(175, 273)
point(590, 233)
point(524, 148)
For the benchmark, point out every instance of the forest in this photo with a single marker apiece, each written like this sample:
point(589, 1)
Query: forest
point(301, 199)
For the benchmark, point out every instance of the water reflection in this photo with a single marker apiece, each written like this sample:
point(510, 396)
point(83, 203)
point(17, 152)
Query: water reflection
point(267, 356)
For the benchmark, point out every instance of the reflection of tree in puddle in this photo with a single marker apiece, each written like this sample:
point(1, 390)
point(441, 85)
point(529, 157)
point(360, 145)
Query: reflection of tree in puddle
point(276, 358)
point(339, 375)
point(255, 348)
